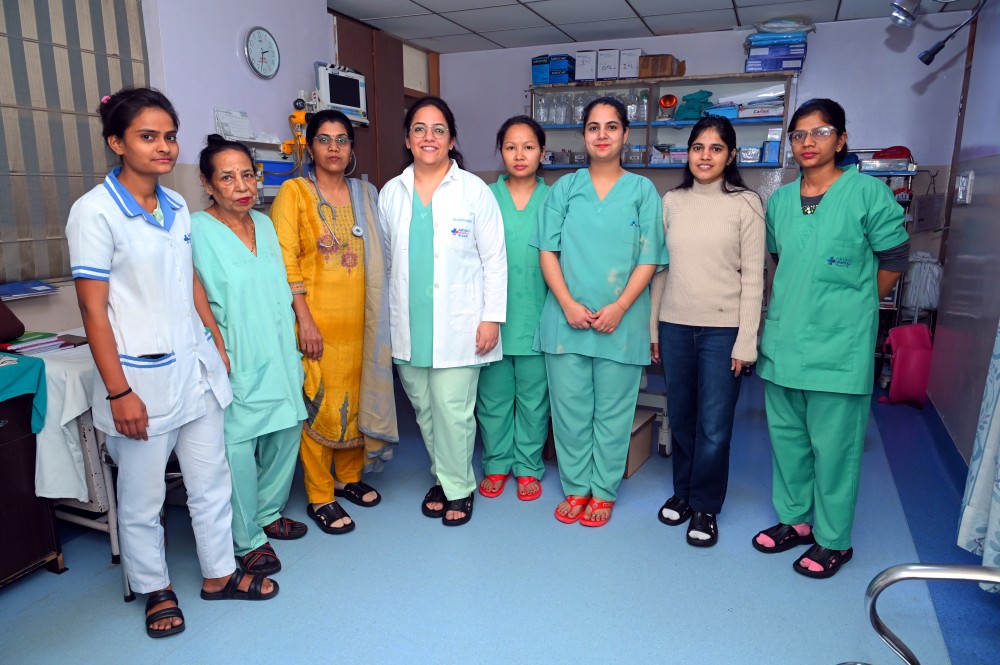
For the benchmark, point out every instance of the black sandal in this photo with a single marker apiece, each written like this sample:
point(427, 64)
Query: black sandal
point(679, 506)
point(785, 537)
point(459, 505)
point(260, 561)
point(434, 495)
point(355, 492)
point(156, 598)
point(703, 523)
point(285, 529)
point(329, 514)
point(232, 591)
point(831, 560)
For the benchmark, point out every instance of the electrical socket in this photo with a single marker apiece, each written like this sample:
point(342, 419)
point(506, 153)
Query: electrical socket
point(963, 188)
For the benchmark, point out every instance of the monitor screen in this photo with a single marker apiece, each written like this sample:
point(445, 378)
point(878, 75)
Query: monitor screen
point(345, 91)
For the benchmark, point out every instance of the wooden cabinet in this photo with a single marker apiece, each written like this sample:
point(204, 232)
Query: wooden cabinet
point(27, 522)
point(559, 109)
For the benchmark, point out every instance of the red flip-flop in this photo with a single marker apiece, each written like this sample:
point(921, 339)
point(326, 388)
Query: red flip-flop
point(574, 502)
point(523, 481)
point(597, 504)
point(494, 478)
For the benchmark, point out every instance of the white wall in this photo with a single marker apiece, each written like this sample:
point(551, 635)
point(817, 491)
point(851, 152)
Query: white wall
point(870, 66)
point(196, 58)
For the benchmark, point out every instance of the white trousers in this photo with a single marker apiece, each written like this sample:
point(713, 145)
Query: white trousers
point(201, 451)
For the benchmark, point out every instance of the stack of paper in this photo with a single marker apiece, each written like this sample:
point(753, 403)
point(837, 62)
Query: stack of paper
point(32, 343)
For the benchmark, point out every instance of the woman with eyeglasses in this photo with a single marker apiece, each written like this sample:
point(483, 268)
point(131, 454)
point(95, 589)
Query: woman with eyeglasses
point(600, 239)
point(447, 294)
point(838, 239)
point(337, 270)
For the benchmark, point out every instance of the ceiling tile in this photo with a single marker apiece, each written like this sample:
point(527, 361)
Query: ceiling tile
point(852, 9)
point(751, 3)
point(659, 7)
point(581, 11)
point(496, 18)
point(672, 24)
point(528, 37)
point(416, 27)
point(623, 28)
point(456, 5)
point(455, 43)
point(815, 10)
point(366, 9)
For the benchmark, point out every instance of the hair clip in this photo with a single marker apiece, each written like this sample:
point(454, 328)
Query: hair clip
point(105, 99)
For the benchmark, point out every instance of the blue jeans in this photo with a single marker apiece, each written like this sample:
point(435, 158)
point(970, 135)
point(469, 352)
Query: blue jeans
point(701, 402)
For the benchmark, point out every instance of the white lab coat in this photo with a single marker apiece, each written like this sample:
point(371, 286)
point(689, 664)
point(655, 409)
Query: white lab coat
point(470, 265)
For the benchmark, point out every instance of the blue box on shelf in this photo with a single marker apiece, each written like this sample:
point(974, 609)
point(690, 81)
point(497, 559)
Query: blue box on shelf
point(561, 62)
point(771, 153)
point(777, 50)
point(540, 70)
point(774, 64)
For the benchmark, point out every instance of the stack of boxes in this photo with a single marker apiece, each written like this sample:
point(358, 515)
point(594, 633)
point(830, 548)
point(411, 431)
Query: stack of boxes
point(609, 64)
point(775, 52)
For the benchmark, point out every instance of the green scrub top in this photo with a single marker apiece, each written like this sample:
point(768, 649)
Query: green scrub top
point(422, 285)
point(252, 305)
point(526, 287)
point(822, 320)
point(600, 242)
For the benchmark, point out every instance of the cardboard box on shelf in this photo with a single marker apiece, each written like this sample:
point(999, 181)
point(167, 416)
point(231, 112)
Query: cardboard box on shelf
point(777, 50)
point(628, 63)
point(641, 443)
point(586, 65)
point(792, 63)
point(662, 65)
point(762, 111)
point(607, 64)
point(562, 68)
point(540, 70)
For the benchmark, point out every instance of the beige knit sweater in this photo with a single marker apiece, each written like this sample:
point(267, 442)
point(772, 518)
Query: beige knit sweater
point(716, 272)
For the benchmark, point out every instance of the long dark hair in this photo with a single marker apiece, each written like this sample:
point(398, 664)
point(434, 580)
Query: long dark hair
point(732, 179)
point(832, 114)
point(449, 119)
point(120, 109)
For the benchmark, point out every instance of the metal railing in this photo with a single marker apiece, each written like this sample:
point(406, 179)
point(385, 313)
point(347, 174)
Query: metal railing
point(890, 576)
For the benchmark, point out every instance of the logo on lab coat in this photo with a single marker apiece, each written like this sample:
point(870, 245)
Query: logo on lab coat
point(633, 222)
point(460, 233)
point(839, 262)
point(187, 238)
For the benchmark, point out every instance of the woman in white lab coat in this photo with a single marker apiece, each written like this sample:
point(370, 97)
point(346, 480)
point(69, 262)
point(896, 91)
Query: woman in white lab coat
point(447, 297)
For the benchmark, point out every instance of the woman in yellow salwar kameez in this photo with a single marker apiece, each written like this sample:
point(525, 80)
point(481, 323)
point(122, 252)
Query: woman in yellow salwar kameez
point(328, 231)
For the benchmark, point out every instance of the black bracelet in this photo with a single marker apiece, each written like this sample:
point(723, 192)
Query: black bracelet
point(121, 394)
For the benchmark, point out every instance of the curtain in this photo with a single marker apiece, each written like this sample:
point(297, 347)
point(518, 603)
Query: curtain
point(979, 530)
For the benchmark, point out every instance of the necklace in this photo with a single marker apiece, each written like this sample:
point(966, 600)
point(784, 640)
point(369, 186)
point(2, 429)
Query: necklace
point(252, 245)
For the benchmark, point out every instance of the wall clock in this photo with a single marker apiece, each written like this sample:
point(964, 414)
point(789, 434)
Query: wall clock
point(261, 51)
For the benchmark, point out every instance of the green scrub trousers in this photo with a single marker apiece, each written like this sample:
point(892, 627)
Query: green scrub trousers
point(513, 410)
point(593, 404)
point(443, 400)
point(262, 471)
point(817, 440)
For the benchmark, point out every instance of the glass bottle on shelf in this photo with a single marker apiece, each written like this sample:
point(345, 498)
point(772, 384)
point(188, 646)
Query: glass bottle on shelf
point(579, 104)
point(542, 109)
point(642, 112)
point(631, 106)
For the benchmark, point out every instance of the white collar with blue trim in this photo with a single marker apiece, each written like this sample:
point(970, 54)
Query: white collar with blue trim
point(131, 208)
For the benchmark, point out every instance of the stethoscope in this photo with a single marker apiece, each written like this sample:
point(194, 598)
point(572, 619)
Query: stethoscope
point(321, 208)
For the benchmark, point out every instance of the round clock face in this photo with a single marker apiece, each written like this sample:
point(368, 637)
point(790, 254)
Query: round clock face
point(262, 53)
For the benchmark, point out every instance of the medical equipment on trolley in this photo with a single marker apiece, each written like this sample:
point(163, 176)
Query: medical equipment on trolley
point(342, 89)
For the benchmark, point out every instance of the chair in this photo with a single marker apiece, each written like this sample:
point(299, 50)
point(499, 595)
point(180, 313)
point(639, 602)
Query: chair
point(655, 399)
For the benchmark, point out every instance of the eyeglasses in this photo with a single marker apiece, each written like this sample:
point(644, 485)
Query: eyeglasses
point(818, 133)
point(339, 139)
point(420, 131)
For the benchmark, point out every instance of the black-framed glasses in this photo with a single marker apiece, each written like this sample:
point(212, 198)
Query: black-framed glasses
point(340, 139)
point(819, 133)
point(420, 131)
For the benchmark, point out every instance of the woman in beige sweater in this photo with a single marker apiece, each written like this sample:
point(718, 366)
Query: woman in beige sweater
point(705, 314)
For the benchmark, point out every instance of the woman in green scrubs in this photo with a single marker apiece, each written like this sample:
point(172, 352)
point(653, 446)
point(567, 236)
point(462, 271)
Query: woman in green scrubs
point(600, 236)
point(839, 241)
point(513, 401)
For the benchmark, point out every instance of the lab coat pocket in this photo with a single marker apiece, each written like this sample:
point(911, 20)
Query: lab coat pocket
point(828, 347)
point(155, 380)
point(838, 262)
point(465, 308)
